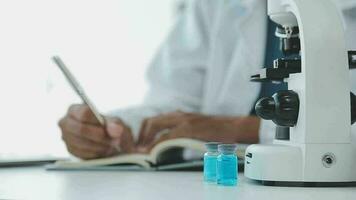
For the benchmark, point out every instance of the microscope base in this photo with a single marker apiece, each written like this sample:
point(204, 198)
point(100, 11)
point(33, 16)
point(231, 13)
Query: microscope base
point(301, 166)
point(308, 184)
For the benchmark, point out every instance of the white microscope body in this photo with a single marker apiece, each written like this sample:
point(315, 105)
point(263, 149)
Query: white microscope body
point(320, 148)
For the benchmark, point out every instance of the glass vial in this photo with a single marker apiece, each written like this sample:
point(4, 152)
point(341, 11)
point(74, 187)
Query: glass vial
point(210, 161)
point(227, 165)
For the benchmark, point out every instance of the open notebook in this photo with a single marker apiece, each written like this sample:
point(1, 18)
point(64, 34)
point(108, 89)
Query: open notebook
point(166, 155)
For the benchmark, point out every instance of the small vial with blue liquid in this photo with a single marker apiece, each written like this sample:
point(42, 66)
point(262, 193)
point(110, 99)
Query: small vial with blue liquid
point(210, 164)
point(227, 165)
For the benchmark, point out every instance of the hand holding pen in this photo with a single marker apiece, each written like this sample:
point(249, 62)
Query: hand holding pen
point(86, 138)
point(88, 134)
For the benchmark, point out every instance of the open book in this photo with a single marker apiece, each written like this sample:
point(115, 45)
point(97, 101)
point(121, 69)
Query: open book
point(164, 156)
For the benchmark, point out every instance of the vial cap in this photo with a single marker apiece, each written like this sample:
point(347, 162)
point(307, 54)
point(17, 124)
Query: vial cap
point(227, 148)
point(212, 146)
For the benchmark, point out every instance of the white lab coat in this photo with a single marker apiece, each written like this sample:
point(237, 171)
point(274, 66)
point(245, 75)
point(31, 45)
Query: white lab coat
point(205, 64)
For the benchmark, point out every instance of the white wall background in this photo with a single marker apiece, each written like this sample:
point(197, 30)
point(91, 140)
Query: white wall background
point(107, 44)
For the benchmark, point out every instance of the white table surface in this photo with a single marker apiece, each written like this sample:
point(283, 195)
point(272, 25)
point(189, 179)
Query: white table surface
point(37, 183)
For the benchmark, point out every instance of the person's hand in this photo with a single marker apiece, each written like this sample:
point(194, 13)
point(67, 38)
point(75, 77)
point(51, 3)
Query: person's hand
point(86, 138)
point(197, 126)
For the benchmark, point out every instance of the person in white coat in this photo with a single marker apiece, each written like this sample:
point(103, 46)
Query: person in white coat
point(199, 85)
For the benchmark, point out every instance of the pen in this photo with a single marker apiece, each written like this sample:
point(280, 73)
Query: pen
point(80, 91)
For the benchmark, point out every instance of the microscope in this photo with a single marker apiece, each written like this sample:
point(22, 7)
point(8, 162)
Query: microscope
point(313, 144)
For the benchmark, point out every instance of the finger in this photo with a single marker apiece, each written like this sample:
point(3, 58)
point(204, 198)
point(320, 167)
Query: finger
point(82, 113)
point(88, 131)
point(127, 143)
point(142, 132)
point(85, 144)
point(115, 130)
point(121, 136)
point(85, 148)
point(149, 123)
point(154, 125)
point(86, 155)
point(114, 127)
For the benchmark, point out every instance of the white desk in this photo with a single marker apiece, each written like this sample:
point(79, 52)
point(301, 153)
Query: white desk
point(36, 183)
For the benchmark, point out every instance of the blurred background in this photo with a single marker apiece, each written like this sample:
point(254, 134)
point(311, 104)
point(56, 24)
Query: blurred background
point(107, 44)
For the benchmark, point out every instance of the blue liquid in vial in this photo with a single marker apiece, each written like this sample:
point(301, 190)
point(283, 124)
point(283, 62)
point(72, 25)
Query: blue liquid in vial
point(227, 170)
point(210, 168)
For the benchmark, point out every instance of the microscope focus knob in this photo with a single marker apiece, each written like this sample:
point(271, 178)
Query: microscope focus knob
point(282, 108)
point(265, 108)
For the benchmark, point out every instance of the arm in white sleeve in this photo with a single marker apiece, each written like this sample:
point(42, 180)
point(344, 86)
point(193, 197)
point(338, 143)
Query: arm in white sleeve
point(176, 75)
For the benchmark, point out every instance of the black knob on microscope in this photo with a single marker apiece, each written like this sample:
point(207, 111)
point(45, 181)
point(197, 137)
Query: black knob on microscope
point(265, 108)
point(282, 108)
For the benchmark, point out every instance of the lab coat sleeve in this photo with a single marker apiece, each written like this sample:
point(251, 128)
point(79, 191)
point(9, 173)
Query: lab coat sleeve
point(176, 75)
